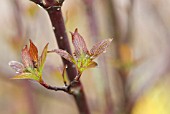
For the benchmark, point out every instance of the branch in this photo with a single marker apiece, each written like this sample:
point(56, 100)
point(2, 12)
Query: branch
point(55, 14)
point(53, 87)
point(63, 43)
point(66, 88)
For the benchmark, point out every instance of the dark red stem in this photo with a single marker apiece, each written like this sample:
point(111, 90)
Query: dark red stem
point(63, 43)
point(53, 87)
point(61, 37)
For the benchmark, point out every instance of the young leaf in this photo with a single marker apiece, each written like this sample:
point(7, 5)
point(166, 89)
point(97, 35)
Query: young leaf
point(43, 58)
point(92, 64)
point(33, 52)
point(63, 74)
point(26, 58)
point(17, 66)
point(81, 67)
point(79, 44)
point(99, 48)
point(63, 54)
point(26, 76)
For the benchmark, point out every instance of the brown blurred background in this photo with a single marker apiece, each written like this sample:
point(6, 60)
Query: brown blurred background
point(132, 76)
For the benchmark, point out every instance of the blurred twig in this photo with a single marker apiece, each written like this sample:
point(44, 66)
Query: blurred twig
point(162, 58)
point(119, 42)
point(17, 42)
point(92, 19)
point(17, 16)
point(109, 109)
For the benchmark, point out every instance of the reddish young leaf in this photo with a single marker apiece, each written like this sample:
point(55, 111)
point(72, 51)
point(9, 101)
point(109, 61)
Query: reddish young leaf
point(63, 54)
point(79, 44)
point(33, 66)
point(26, 58)
point(42, 59)
point(17, 66)
point(99, 48)
point(33, 52)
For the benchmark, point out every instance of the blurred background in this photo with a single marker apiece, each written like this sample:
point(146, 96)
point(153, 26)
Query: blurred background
point(132, 76)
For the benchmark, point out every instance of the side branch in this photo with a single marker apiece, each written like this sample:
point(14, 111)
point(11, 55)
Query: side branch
point(53, 87)
point(66, 88)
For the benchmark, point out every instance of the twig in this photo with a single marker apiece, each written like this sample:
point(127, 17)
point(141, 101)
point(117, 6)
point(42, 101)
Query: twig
point(115, 28)
point(54, 88)
point(65, 88)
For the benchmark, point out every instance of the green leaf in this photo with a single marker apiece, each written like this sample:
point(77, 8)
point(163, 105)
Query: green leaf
point(42, 58)
point(85, 64)
point(27, 76)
